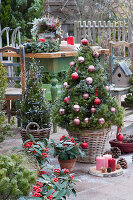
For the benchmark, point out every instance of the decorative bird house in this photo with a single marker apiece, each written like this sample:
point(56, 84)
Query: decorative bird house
point(121, 75)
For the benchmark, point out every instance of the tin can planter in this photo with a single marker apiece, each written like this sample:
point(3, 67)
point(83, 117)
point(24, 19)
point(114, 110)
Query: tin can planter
point(68, 164)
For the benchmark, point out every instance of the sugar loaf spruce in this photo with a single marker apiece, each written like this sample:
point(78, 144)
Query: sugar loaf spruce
point(86, 103)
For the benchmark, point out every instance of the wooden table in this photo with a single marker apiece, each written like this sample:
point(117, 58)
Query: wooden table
point(52, 63)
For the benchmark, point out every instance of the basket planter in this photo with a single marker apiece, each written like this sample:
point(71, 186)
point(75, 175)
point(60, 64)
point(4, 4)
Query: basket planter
point(68, 164)
point(38, 133)
point(96, 142)
point(124, 147)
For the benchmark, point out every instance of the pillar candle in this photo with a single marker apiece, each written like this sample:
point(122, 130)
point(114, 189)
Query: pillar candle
point(100, 162)
point(71, 40)
point(107, 156)
point(42, 40)
point(112, 164)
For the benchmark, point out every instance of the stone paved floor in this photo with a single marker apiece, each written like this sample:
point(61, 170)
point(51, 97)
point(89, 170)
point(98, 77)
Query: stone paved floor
point(91, 187)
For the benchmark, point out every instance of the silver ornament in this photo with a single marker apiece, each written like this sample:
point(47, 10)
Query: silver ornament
point(76, 108)
point(89, 80)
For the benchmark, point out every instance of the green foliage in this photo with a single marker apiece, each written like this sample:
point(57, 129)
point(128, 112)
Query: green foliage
point(129, 97)
point(67, 148)
point(41, 47)
point(76, 89)
point(34, 106)
point(15, 180)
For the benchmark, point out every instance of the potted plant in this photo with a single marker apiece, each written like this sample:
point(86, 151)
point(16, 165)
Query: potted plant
point(50, 27)
point(67, 150)
point(86, 108)
point(35, 110)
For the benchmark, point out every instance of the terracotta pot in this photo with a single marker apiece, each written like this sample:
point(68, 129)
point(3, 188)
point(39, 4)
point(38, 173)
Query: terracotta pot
point(68, 164)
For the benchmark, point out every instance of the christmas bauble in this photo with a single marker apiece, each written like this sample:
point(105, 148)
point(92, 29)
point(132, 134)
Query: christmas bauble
point(62, 111)
point(101, 121)
point(85, 95)
point(72, 63)
point(86, 120)
point(120, 137)
point(91, 68)
point(65, 84)
point(84, 145)
point(74, 76)
point(76, 108)
point(89, 80)
point(97, 101)
point(81, 59)
point(66, 100)
point(107, 88)
point(95, 54)
point(112, 109)
point(84, 41)
point(76, 121)
point(93, 110)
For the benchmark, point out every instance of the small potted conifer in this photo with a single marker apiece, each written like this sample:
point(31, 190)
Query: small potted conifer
point(35, 110)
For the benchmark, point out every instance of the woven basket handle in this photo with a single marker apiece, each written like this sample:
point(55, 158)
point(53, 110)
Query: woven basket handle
point(32, 123)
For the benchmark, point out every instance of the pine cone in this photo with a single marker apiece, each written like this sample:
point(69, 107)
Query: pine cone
point(122, 162)
point(116, 152)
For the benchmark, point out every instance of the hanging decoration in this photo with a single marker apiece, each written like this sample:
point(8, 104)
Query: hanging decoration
point(101, 121)
point(74, 76)
point(84, 41)
point(85, 95)
point(84, 144)
point(89, 80)
point(81, 59)
point(72, 63)
point(91, 68)
point(76, 121)
point(76, 108)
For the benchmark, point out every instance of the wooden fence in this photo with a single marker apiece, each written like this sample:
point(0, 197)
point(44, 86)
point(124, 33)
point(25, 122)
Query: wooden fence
point(100, 33)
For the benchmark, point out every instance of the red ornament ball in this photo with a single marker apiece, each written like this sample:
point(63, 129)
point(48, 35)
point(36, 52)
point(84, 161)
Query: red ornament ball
point(97, 101)
point(65, 84)
point(112, 109)
point(66, 100)
point(81, 59)
point(76, 108)
point(91, 68)
point(101, 121)
point(74, 76)
point(84, 41)
point(95, 54)
point(84, 145)
point(93, 110)
point(85, 95)
point(72, 63)
point(62, 111)
point(86, 120)
point(76, 121)
point(120, 137)
point(89, 80)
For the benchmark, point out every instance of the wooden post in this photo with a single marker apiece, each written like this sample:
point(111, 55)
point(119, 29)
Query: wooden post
point(22, 66)
point(110, 61)
point(132, 56)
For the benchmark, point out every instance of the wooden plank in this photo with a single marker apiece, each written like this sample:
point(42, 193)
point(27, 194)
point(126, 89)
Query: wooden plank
point(94, 32)
point(89, 32)
point(84, 29)
point(119, 43)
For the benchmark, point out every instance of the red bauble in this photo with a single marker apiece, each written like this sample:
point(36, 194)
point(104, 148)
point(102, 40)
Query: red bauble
point(101, 121)
point(85, 95)
point(72, 63)
point(91, 68)
point(112, 109)
point(120, 137)
point(97, 101)
point(76, 121)
point(84, 41)
point(84, 145)
point(65, 84)
point(89, 80)
point(62, 111)
point(76, 108)
point(66, 100)
point(81, 59)
point(95, 54)
point(93, 110)
point(74, 76)
point(86, 120)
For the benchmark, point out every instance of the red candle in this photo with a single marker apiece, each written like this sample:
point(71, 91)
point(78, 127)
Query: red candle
point(71, 40)
point(112, 164)
point(42, 40)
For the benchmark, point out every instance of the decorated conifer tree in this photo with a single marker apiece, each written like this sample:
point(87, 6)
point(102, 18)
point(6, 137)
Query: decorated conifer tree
point(35, 108)
point(86, 103)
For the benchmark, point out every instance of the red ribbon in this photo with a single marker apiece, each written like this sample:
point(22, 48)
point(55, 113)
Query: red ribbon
point(96, 92)
point(118, 130)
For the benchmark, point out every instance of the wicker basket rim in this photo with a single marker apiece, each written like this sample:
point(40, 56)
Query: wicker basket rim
point(95, 132)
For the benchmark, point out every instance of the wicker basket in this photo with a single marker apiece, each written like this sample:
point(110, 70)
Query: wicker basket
point(38, 133)
point(96, 142)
